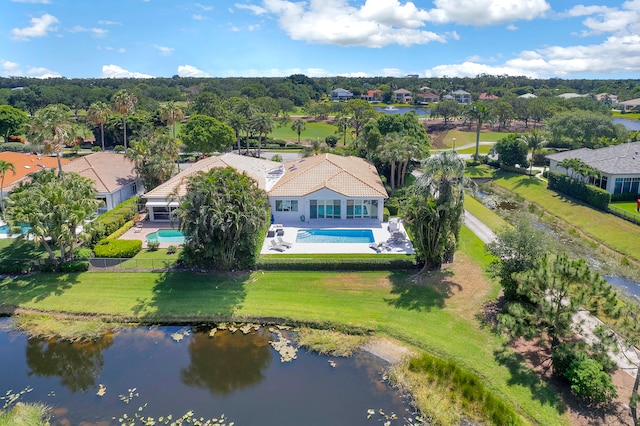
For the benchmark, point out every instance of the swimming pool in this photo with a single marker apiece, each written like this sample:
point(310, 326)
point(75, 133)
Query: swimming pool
point(339, 236)
point(5, 229)
point(166, 236)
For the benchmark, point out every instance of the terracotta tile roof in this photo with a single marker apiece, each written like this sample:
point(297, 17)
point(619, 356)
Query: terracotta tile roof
point(256, 168)
point(26, 164)
point(349, 176)
point(109, 171)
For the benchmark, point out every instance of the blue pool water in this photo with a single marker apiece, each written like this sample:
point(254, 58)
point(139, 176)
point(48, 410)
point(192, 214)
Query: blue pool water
point(166, 236)
point(5, 229)
point(339, 236)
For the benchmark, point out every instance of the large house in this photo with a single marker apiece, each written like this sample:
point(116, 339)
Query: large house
point(113, 175)
point(341, 94)
point(461, 96)
point(325, 186)
point(631, 104)
point(372, 95)
point(403, 96)
point(618, 164)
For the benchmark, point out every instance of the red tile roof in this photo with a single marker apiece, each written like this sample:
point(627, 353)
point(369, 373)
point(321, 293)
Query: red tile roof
point(25, 164)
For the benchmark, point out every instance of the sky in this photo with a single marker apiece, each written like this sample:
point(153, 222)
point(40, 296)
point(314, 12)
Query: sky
point(567, 39)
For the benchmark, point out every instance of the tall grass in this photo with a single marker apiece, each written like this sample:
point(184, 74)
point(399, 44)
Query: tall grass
point(445, 379)
point(25, 415)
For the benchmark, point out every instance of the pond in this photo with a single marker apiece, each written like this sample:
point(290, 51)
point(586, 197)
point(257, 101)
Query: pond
point(403, 110)
point(629, 124)
point(175, 369)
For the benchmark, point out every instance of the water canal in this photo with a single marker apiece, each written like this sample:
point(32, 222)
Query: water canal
point(176, 369)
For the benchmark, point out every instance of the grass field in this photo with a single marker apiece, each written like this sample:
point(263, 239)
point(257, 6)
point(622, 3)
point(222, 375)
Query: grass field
point(314, 130)
point(433, 313)
point(464, 138)
point(613, 232)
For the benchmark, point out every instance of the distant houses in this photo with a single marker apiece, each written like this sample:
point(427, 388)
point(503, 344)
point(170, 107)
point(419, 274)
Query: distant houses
point(340, 94)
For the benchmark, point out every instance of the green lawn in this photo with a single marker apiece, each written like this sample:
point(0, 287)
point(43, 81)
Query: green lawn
point(482, 171)
point(314, 130)
point(420, 313)
point(482, 150)
point(628, 206)
point(484, 214)
point(464, 138)
point(606, 228)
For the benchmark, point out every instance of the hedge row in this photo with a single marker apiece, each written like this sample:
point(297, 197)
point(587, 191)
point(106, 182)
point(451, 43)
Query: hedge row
point(117, 248)
point(597, 197)
point(336, 264)
point(109, 222)
point(513, 169)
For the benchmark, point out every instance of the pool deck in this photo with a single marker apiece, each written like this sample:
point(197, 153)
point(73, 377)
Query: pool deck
point(380, 234)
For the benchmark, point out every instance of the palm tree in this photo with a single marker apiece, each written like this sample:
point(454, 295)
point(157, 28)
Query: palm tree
point(51, 126)
point(5, 166)
point(238, 123)
point(435, 208)
point(171, 113)
point(247, 110)
point(413, 149)
point(343, 123)
point(299, 126)
point(262, 123)
point(124, 103)
point(479, 112)
point(98, 113)
point(392, 152)
point(535, 140)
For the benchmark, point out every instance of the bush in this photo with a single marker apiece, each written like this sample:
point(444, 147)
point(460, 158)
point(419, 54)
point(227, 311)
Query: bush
point(83, 253)
point(14, 147)
point(120, 231)
point(375, 263)
point(15, 267)
point(118, 149)
point(385, 215)
point(597, 197)
point(108, 223)
point(74, 266)
point(170, 250)
point(588, 380)
point(117, 248)
point(153, 245)
point(96, 149)
point(566, 354)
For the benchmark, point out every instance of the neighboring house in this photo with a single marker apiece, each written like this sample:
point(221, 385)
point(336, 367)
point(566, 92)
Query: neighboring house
point(528, 96)
point(607, 98)
point(325, 186)
point(403, 96)
point(484, 96)
point(26, 164)
point(328, 186)
point(162, 200)
point(461, 96)
point(114, 177)
point(630, 104)
point(618, 164)
point(340, 94)
point(372, 96)
point(571, 95)
point(428, 97)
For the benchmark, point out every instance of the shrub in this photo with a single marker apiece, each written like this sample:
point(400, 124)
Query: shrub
point(170, 250)
point(118, 248)
point(153, 245)
point(375, 263)
point(83, 253)
point(118, 149)
point(96, 149)
point(597, 197)
point(564, 355)
point(14, 147)
point(120, 231)
point(108, 223)
point(15, 267)
point(74, 266)
point(385, 215)
point(588, 380)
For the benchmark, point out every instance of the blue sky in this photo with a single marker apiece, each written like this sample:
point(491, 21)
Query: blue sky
point(270, 38)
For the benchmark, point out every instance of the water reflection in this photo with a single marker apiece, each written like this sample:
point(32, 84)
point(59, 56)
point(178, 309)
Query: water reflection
point(77, 364)
point(225, 363)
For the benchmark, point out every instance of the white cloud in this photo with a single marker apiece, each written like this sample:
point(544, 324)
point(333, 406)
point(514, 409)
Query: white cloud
point(32, 1)
point(512, 27)
point(204, 7)
point(8, 68)
point(39, 28)
point(103, 22)
point(113, 49)
point(355, 74)
point(377, 23)
point(166, 51)
point(97, 32)
point(114, 71)
point(602, 19)
point(199, 17)
point(40, 72)
point(255, 9)
point(278, 72)
point(487, 12)
point(393, 72)
point(191, 71)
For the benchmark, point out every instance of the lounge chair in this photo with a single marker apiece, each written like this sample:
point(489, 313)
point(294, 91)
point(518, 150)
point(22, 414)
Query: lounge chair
point(277, 247)
point(393, 225)
point(283, 242)
point(138, 227)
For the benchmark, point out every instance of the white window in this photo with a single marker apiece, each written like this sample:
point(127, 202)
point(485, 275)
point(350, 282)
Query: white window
point(286, 205)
